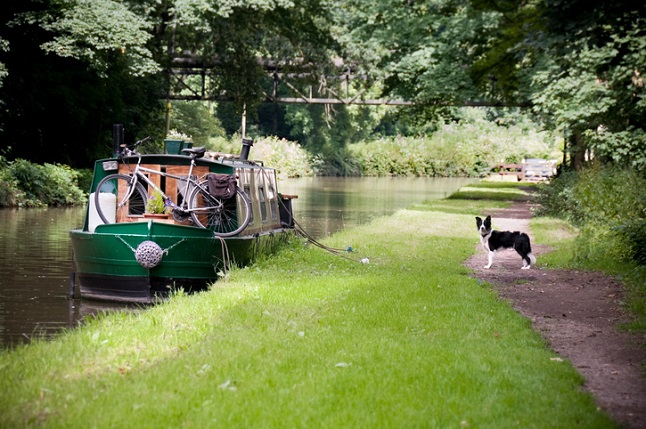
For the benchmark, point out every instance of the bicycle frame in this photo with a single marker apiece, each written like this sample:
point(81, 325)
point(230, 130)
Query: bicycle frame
point(226, 216)
point(137, 174)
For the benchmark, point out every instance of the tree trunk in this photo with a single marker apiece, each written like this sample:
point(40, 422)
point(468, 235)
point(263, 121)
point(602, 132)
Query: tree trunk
point(577, 151)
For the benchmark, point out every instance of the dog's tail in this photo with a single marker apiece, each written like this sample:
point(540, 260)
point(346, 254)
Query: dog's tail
point(531, 258)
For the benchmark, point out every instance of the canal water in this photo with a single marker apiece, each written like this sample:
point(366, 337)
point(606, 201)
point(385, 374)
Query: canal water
point(36, 254)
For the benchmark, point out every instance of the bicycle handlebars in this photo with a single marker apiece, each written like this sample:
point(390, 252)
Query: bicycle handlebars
point(132, 149)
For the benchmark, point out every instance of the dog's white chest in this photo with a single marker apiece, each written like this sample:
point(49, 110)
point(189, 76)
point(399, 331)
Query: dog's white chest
point(484, 240)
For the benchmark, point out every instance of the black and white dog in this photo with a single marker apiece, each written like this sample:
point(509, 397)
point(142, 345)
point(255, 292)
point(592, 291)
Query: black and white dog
point(495, 240)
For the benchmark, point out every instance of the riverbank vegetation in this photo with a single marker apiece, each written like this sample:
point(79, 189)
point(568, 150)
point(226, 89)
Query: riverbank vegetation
point(69, 70)
point(608, 207)
point(305, 338)
point(469, 147)
point(25, 184)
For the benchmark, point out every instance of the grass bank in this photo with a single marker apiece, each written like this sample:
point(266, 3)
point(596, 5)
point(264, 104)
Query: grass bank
point(308, 339)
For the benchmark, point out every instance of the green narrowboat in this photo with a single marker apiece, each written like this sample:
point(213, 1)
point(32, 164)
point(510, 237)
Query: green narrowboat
point(122, 254)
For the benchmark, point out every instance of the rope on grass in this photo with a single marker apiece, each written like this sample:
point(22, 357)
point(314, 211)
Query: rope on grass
point(335, 251)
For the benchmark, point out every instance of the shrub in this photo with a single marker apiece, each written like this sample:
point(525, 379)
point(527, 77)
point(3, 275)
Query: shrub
point(25, 184)
point(61, 186)
point(468, 148)
point(608, 204)
point(288, 157)
point(557, 198)
point(8, 189)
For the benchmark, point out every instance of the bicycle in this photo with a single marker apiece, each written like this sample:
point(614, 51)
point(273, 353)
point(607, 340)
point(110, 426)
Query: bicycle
point(227, 217)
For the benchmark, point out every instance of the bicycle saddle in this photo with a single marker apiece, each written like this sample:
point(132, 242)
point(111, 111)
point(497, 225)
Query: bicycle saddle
point(197, 152)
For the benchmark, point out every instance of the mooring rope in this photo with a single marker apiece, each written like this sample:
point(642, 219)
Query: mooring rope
point(335, 251)
point(165, 251)
point(226, 258)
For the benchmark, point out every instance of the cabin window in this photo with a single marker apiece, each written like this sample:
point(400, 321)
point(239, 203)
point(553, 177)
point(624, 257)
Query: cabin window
point(247, 190)
point(272, 195)
point(245, 179)
point(262, 194)
point(262, 199)
point(181, 187)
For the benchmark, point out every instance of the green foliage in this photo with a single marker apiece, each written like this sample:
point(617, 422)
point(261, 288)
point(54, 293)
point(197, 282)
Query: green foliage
point(97, 33)
point(25, 184)
point(590, 81)
point(418, 49)
point(289, 158)
point(84, 179)
point(582, 71)
point(609, 207)
point(4, 46)
point(195, 119)
point(8, 185)
point(466, 148)
point(156, 204)
point(557, 198)
point(608, 204)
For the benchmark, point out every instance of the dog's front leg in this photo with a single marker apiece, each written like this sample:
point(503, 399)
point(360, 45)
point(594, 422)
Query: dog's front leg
point(490, 259)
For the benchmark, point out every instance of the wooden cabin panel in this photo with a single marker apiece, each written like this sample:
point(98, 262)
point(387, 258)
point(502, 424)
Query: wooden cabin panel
point(155, 178)
point(175, 187)
point(123, 212)
point(170, 186)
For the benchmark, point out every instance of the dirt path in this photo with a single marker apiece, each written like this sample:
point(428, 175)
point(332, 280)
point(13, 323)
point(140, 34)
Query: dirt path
point(578, 314)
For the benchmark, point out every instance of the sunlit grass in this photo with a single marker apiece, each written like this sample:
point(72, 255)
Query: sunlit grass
point(487, 191)
point(305, 338)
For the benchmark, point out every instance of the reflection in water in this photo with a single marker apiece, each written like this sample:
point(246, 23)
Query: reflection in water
point(36, 253)
point(36, 264)
point(326, 205)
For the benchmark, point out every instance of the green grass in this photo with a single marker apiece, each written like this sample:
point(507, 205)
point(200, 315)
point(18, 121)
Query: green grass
point(307, 339)
point(493, 191)
point(560, 236)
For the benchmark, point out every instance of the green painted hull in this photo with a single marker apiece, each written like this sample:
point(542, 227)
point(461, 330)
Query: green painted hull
point(107, 268)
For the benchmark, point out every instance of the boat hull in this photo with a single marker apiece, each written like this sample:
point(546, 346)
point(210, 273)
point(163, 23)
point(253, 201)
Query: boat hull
point(106, 266)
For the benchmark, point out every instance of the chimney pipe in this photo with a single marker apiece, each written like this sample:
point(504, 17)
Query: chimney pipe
point(246, 145)
point(117, 139)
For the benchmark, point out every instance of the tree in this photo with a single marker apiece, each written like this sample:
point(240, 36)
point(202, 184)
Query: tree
point(580, 62)
point(593, 86)
point(77, 66)
point(65, 88)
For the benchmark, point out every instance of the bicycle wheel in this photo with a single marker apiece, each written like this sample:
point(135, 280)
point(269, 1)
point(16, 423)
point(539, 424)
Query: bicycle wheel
point(225, 217)
point(111, 198)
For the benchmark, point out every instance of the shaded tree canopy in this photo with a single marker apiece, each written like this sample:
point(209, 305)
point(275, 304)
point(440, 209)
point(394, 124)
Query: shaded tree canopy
point(71, 68)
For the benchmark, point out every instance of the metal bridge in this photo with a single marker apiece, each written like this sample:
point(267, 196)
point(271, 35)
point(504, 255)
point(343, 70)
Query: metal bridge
point(193, 79)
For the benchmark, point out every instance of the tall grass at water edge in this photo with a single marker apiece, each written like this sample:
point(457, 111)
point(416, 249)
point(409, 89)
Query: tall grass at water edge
point(308, 339)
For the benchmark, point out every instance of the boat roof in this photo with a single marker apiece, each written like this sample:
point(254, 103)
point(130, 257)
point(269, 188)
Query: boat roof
point(210, 158)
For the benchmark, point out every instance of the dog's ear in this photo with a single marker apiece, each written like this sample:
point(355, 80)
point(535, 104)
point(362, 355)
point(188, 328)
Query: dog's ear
point(478, 221)
point(487, 222)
